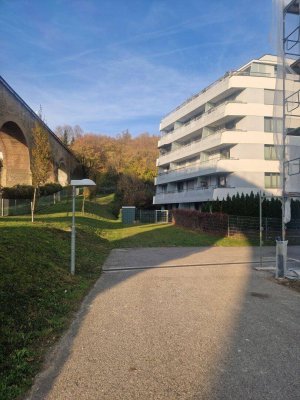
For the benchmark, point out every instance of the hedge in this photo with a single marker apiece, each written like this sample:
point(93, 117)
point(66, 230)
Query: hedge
point(248, 206)
point(26, 191)
point(201, 221)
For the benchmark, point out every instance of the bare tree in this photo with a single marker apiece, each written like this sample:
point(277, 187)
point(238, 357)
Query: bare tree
point(78, 132)
point(68, 134)
point(40, 161)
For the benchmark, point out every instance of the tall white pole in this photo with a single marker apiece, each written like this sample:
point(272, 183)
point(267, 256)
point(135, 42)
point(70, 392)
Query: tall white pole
point(260, 229)
point(283, 198)
point(73, 232)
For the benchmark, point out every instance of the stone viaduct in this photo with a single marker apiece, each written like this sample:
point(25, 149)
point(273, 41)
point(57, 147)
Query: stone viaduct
point(16, 122)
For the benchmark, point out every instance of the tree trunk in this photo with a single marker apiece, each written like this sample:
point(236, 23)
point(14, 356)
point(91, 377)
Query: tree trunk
point(82, 209)
point(33, 203)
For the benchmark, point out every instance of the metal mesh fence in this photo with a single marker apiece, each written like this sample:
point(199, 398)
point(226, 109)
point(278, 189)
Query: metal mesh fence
point(271, 229)
point(153, 216)
point(23, 206)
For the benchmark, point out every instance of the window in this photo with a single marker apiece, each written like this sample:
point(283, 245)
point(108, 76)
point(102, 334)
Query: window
point(273, 124)
point(222, 181)
point(225, 154)
point(180, 186)
point(204, 156)
point(270, 152)
point(191, 184)
point(161, 189)
point(258, 69)
point(272, 180)
point(230, 125)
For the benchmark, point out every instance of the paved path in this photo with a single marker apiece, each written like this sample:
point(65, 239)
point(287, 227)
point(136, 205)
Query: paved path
point(193, 332)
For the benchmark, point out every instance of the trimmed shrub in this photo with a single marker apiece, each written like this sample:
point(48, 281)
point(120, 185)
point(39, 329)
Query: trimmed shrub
point(201, 221)
point(26, 191)
point(17, 192)
point(50, 188)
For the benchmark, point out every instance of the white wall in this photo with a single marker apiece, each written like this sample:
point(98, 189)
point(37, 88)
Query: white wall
point(251, 123)
point(252, 95)
point(250, 151)
point(246, 179)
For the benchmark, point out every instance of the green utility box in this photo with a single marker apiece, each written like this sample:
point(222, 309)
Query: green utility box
point(128, 215)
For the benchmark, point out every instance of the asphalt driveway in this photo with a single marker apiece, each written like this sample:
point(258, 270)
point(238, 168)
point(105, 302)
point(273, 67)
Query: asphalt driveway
point(159, 324)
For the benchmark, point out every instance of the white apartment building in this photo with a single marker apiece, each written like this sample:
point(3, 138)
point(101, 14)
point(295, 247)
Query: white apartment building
point(221, 141)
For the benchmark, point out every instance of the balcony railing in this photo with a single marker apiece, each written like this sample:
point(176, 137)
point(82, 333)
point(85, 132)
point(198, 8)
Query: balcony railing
point(202, 115)
point(193, 189)
point(212, 135)
point(225, 76)
point(197, 165)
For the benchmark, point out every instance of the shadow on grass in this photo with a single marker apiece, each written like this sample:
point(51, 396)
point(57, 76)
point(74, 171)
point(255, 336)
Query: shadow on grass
point(93, 207)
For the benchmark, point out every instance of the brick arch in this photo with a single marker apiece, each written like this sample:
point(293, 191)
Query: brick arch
point(15, 156)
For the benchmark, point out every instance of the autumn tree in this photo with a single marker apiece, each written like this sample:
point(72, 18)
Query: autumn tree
point(133, 191)
point(40, 161)
point(124, 163)
point(92, 152)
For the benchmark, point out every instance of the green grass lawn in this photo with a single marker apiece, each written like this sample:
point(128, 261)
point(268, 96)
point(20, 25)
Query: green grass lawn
point(38, 296)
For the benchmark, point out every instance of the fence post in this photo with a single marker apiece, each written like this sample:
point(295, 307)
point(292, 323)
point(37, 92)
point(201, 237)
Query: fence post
point(2, 207)
point(156, 216)
point(266, 229)
point(228, 227)
point(54, 198)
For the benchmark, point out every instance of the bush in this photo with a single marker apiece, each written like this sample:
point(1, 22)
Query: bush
point(201, 221)
point(26, 191)
point(133, 191)
point(17, 192)
point(89, 192)
point(50, 188)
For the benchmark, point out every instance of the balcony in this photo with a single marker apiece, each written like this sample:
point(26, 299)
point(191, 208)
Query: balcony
point(208, 194)
point(194, 170)
point(217, 165)
point(230, 81)
point(221, 137)
point(185, 196)
point(221, 113)
point(193, 125)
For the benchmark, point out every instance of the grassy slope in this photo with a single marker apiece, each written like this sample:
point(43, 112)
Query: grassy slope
point(38, 296)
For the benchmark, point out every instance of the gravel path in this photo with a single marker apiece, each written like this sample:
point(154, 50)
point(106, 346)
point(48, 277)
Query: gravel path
point(211, 332)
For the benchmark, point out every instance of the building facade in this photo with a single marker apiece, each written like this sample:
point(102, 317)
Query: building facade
point(221, 141)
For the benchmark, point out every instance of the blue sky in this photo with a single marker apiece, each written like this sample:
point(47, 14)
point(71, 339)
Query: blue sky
point(111, 65)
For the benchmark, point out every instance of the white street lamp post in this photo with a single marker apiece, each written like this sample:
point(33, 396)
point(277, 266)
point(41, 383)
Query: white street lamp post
point(74, 184)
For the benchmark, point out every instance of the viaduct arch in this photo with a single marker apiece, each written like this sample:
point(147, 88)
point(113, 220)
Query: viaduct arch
point(17, 120)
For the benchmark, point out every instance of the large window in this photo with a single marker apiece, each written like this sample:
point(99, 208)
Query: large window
point(272, 180)
point(258, 69)
point(273, 124)
point(270, 152)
